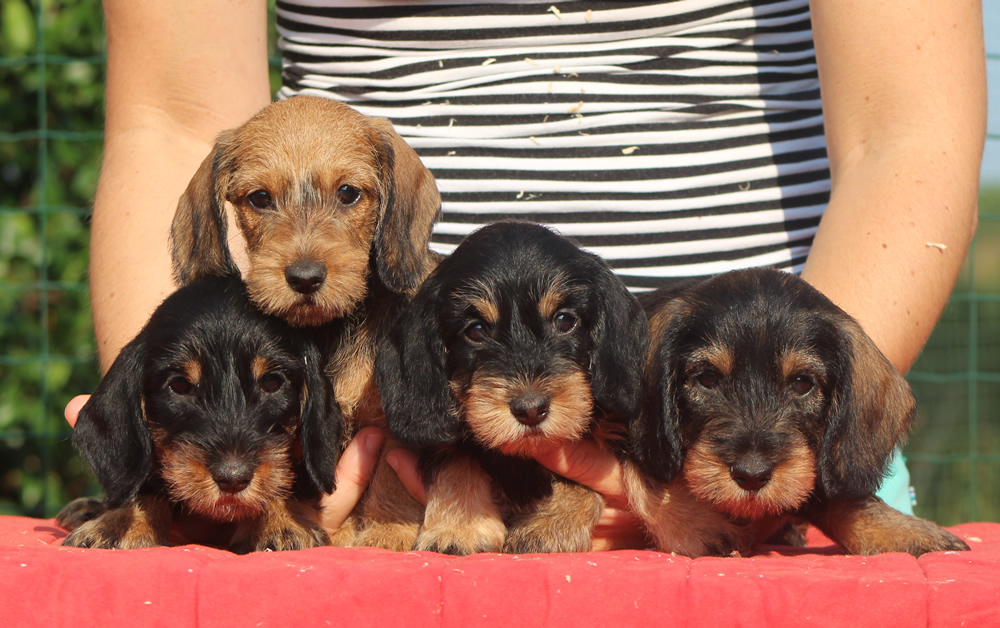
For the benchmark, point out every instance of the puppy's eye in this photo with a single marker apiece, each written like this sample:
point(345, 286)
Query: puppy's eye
point(260, 200)
point(802, 384)
point(348, 194)
point(180, 385)
point(476, 332)
point(564, 322)
point(271, 382)
point(708, 379)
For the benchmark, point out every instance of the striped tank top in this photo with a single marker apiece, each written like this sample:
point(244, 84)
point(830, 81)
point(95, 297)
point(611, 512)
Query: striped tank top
point(673, 138)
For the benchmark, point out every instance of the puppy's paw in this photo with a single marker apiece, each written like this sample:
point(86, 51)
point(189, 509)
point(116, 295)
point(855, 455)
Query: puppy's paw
point(483, 536)
point(532, 538)
point(119, 528)
point(80, 511)
point(278, 536)
point(395, 536)
point(924, 536)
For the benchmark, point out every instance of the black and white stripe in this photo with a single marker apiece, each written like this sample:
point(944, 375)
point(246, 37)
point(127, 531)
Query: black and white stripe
point(676, 138)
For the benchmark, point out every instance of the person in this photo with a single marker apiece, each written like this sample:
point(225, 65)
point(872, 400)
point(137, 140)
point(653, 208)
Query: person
point(840, 140)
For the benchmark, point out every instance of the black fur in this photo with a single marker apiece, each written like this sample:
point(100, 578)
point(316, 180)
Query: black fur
point(427, 359)
point(211, 322)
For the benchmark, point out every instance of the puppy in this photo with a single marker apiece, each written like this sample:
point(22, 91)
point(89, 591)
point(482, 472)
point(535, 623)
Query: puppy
point(771, 404)
point(336, 212)
point(215, 417)
point(518, 340)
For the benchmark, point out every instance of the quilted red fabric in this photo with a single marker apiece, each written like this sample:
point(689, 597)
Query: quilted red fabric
point(44, 584)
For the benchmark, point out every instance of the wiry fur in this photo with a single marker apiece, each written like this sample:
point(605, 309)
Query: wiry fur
point(216, 413)
point(763, 402)
point(517, 341)
point(336, 213)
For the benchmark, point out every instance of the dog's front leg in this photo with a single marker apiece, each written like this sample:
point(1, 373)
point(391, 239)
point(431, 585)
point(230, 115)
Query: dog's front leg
point(143, 522)
point(285, 525)
point(462, 516)
point(870, 526)
point(563, 521)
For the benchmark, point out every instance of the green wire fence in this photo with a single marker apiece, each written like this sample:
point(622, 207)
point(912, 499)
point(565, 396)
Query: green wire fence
point(51, 115)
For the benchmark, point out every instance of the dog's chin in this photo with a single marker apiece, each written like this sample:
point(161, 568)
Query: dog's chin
point(336, 299)
point(709, 479)
point(226, 509)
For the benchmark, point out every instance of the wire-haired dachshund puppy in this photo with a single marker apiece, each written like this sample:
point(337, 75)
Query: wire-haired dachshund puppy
point(215, 417)
point(517, 340)
point(772, 405)
point(336, 212)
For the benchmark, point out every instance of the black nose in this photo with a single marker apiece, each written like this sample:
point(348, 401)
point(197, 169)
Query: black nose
point(305, 276)
point(232, 476)
point(530, 409)
point(751, 475)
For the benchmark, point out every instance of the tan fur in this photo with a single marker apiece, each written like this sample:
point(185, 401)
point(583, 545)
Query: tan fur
point(791, 482)
point(462, 514)
point(190, 481)
point(302, 151)
point(717, 355)
point(550, 300)
point(284, 525)
point(487, 411)
point(482, 300)
point(561, 523)
point(870, 526)
point(144, 522)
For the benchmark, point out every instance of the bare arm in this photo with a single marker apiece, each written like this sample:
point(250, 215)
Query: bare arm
point(904, 101)
point(178, 73)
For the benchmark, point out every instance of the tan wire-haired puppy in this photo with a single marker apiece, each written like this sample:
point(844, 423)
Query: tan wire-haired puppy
point(518, 340)
point(763, 403)
point(336, 213)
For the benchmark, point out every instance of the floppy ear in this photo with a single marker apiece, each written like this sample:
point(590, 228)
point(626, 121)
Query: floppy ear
point(198, 234)
point(111, 431)
point(871, 412)
point(321, 424)
point(409, 207)
point(655, 437)
point(412, 379)
point(619, 340)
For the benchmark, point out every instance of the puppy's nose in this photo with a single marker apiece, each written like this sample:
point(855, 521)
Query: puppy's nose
point(530, 409)
point(305, 276)
point(232, 476)
point(751, 475)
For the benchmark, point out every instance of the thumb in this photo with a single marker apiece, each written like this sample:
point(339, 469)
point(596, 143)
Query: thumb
point(587, 462)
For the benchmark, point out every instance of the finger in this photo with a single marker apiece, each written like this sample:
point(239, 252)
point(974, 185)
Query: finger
point(354, 472)
point(72, 411)
point(586, 462)
point(406, 465)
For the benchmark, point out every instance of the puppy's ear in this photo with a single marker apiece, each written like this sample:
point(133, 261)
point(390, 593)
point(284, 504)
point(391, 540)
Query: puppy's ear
point(619, 340)
point(111, 432)
point(871, 412)
point(412, 379)
point(198, 243)
point(655, 437)
point(409, 207)
point(321, 424)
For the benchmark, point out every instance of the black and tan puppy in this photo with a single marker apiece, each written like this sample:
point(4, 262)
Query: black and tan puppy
point(216, 418)
point(336, 212)
point(771, 404)
point(518, 340)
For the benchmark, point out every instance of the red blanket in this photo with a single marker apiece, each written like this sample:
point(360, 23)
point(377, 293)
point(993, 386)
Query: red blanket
point(42, 583)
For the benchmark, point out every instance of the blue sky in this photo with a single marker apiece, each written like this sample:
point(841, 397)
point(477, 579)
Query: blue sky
point(991, 157)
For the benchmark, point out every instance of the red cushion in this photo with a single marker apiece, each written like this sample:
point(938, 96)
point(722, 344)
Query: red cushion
point(42, 583)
